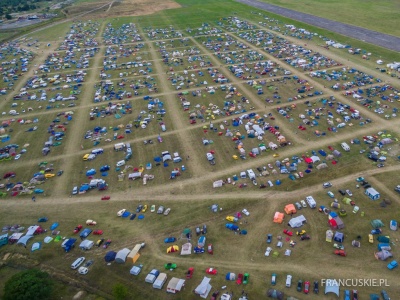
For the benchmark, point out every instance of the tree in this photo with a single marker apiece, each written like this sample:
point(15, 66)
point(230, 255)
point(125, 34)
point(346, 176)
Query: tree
point(120, 291)
point(32, 284)
point(8, 17)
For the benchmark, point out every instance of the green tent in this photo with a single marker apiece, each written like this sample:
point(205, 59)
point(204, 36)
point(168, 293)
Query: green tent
point(383, 239)
point(377, 223)
point(346, 200)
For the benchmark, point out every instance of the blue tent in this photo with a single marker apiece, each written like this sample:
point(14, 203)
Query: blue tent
point(126, 214)
point(322, 152)
point(291, 176)
point(110, 256)
point(54, 226)
point(333, 214)
point(157, 159)
point(278, 182)
point(104, 174)
point(232, 226)
point(140, 217)
point(90, 172)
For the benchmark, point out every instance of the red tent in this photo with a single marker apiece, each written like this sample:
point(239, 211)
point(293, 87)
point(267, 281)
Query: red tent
point(308, 160)
point(332, 223)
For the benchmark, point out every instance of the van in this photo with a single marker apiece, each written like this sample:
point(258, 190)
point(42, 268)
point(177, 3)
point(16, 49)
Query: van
point(119, 146)
point(288, 281)
point(251, 174)
point(86, 156)
point(77, 263)
point(345, 147)
point(97, 151)
point(91, 157)
point(120, 163)
point(311, 202)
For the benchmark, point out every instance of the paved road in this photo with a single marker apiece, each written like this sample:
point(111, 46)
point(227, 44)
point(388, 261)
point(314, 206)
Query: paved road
point(380, 39)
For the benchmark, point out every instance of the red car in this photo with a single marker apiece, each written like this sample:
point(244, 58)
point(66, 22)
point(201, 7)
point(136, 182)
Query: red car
point(288, 232)
point(77, 228)
point(120, 137)
point(340, 252)
point(210, 249)
point(239, 280)
point(98, 232)
point(330, 148)
point(306, 287)
point(211, 271)
point(192, 121)
point(105, 198)
point(189, 273)
point(9, 174)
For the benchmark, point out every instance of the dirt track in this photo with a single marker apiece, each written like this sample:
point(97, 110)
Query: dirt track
point(365, 35)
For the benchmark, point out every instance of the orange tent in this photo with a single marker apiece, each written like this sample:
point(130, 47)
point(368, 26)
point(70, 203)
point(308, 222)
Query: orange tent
point(278, 217)
point(290, 209)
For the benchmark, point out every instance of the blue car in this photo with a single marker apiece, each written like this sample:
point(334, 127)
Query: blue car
point(170, 239)
point(393, 264)
point(347, 295)
point(269, 238)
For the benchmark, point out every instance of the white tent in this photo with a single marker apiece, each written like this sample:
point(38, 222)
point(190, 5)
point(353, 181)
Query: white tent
point(186, 249)
point(175, 285)
point(121, 255)
point(24, 240)
point(204, 288)
point(315, 158)
point(297, 221)
point(32, 230)
point(331, 286)
point(86, 245)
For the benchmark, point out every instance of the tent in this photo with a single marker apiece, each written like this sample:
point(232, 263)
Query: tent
point(134, 255)
point(86, 245)
point(332, 286)
point(275, 294)
point(230, 276)
point(372, 193)
point(377, 223)
point(290, 209)
point(297, 222)
point(175, 285)
point(204, 288)
point(121, 255)
point(322, 166)
point(315, 159)
point(338, 237)
point(346, 200)
point(48, 239)
point(339, 223)
point(383, 239)
point(336, 153)
point(36, 246)
point(186, 249)
point(24, 240)
point(329, 235)
point(383, 255)
point(172, 249)
point(332, 224)
point(278, 217)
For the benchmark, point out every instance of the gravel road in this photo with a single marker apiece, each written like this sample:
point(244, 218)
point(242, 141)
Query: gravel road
point(380, 39)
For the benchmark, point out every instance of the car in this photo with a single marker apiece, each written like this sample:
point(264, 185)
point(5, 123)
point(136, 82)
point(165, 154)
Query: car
point(132, 217)
point(136, 269)
point(273, 279)
point(170, 266)
point(301, 232)
point(348, 192)
point(288, 232)
point(59, 173)
point(370, 238)
point(347, 295)
point(75, 190)
point(189, 273)
point(330, 194)
point(204, 229)
point(341, 192)
point(269, 238)
point(98, 232)
point(326, 185)
point(210, 249)
point(211, 271)
point(77, 228)
point(385, 295)
point(139, 208)
point(305, 237)
point(355, 295)
point(9, 175)
point(214, 295)
point(91, 222)
point(18, 156)
point(299, 285)
point(89, 263)
point(367, 186)
point(378, 165)
point(393, 264)
point(77, 262)
point(340, 252)
point(306, 287)
point(153, 208)
point(288, 281)
point(170, 239)
point(397, 188)
point(239, 279)
point(245, 212)
point(231, 219)
point(49, 175)
point(160, 210)
point(99, 242)
point(316, 288)
point(144, 208)
point(298, 206)
point(268, 251)
point(192, 121)
point(303, 203)
point(83, 270)
point(246, 278)
point(106, 244)
point(167, 211)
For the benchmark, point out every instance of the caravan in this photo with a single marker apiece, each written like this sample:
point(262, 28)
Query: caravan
point(311, 202)
point(251, 174)
point(345, 147)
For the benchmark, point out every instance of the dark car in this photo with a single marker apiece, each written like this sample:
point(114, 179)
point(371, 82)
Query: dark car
point(133, 216)
point(355, 295)
point(59, 173)
point(269, 238)
point(367, 186)
point(9, 175)
point(139, 208)
point(342, 192)
point(316, 288)
point(299, 285)
point(204, 229)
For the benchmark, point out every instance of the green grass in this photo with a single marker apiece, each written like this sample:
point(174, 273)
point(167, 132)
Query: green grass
point(380, 16)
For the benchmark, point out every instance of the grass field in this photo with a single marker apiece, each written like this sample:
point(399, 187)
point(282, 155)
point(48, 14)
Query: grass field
point(378, 16)
point(202, 32)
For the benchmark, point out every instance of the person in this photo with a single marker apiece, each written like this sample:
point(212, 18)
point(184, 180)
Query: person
point(33, 198)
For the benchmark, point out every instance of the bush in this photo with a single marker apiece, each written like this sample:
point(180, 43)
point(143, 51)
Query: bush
point(32, 284)
point(120, 291)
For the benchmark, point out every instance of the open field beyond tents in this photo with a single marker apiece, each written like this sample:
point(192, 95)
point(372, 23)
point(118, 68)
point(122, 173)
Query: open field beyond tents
point(194, 80)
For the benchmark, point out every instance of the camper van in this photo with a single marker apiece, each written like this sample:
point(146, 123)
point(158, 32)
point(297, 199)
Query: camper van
point(345, 147)
point(311, 202)
point(251, 174)
point(120, 163)
point(119, 146)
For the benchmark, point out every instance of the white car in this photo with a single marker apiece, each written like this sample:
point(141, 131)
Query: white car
point(75, 190)
point(268, 251)
point(83, 270)
point(77, 262)
point(326, 185)
point(303, 203)
point(288, 281)
point(349, 193)
point(246, 212)
point(17, 156)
